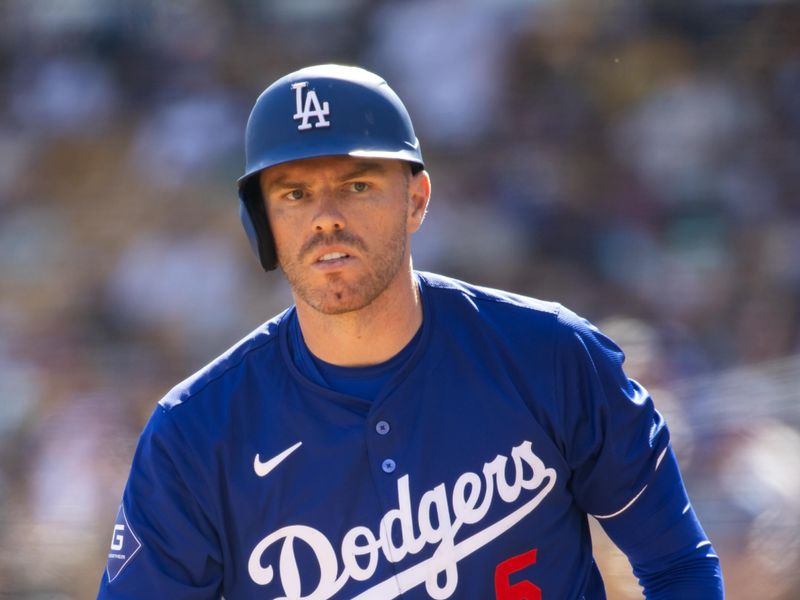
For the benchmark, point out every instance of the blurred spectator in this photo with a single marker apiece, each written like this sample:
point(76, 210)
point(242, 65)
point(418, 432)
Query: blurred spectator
point(452, 89)
point(63, 94)
point(188, 287)
point(170, 145)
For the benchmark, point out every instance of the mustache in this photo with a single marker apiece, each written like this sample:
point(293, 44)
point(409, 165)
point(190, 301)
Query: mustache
point(339, 236)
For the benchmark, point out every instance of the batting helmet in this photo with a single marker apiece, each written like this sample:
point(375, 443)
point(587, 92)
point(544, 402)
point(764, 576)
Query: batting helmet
point(324, 110)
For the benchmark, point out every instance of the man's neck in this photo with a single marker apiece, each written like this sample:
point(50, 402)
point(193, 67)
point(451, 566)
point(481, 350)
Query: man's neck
point(370, 335)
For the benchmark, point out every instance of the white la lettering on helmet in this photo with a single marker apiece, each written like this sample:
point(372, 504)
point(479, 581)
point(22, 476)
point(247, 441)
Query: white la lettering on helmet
point(311, 108)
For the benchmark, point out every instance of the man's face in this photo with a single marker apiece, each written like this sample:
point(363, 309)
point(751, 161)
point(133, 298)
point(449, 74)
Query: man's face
point(342, 226)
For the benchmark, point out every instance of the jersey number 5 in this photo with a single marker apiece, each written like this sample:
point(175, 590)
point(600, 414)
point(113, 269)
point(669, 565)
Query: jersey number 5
point(522, 590)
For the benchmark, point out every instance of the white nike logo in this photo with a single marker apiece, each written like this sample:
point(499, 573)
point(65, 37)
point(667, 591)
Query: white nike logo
point(262, 468)
point(415, 145)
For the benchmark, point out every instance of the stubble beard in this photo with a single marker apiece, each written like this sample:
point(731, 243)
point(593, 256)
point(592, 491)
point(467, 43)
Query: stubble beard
point(338, 295)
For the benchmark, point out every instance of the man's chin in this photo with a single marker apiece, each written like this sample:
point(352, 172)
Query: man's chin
point(337, 303)
point(337, 295)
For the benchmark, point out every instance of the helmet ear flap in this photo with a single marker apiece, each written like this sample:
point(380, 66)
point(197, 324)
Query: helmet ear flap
point(256, 224)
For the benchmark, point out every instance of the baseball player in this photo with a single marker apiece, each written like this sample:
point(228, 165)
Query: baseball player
point(393, 434)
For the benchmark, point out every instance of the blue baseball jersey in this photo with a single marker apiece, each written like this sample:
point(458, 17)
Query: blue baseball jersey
point(469, 475)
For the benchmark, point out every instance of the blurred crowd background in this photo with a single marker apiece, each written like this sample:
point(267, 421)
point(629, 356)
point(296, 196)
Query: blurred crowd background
point(636, 161)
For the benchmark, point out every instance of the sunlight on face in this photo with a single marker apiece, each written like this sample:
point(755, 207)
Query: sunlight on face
point(341, 228)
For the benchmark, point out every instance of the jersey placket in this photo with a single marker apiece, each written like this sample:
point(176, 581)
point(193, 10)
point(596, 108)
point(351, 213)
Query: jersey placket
point(384, 433)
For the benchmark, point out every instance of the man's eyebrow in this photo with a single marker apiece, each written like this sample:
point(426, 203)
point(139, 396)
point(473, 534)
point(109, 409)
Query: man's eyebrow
point(365, 168)
point(283, 183)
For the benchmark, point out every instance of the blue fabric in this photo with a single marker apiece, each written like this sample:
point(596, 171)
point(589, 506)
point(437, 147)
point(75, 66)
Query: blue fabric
point(510, 420)
point(673, 568)
point(361, 382)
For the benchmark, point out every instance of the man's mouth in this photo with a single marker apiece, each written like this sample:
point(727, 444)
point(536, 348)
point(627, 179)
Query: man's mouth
point(331, 256)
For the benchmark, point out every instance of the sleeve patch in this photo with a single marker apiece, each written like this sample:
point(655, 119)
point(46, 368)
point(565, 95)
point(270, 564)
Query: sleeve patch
point(124, 546)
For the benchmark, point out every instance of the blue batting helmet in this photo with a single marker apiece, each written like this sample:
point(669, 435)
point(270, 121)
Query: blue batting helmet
point(324, 110)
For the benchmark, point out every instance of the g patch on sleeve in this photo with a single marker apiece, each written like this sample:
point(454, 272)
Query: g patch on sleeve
point(124, 546)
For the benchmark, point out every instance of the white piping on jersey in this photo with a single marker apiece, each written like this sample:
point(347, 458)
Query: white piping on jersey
point(360, 541)
point(707, 543)
point(636, 497)
point(661, 456)
point(703, 543)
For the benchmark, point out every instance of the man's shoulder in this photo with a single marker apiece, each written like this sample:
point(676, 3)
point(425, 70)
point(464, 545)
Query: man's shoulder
point(489, 299)
point(227, 367)
point(513, 313)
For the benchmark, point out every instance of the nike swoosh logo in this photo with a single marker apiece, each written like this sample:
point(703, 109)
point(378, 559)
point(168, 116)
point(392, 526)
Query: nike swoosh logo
point(415, 145)
point(263, 468)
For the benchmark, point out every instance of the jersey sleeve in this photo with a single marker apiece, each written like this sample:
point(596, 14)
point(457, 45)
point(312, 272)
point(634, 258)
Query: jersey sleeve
point(664, 541)
point(624, 472)
point(612, 436)
point(163, 543)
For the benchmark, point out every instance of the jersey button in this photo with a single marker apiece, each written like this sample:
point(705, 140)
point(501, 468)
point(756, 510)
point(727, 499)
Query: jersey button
point(388, 466)
point(382, 427)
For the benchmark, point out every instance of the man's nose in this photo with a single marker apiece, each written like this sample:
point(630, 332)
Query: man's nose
point(329, 216)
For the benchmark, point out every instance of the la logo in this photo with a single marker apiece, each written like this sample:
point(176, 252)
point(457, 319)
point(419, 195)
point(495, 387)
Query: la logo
point(311, 107)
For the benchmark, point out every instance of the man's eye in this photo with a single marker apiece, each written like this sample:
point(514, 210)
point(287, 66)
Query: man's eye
point(295, 195)
point(359, 186)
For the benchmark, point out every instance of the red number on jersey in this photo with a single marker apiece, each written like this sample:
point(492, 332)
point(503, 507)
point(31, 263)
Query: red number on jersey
point(523, 590)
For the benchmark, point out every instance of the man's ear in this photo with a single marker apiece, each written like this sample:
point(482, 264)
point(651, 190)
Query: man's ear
point(419, 194)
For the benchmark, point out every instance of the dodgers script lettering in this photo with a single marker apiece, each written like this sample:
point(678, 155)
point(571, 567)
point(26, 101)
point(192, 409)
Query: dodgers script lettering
point(361, 549)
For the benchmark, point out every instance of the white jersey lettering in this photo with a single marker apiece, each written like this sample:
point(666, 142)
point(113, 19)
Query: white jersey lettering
point(361, 550)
